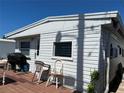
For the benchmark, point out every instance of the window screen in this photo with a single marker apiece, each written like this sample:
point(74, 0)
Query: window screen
point(63, 49)
point(25, 47)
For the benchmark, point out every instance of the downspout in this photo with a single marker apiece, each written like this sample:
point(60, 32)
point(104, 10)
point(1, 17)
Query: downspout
point(107, 75)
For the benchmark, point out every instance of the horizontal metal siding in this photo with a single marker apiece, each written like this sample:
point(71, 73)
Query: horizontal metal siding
point(91, 44)
point(90, 53)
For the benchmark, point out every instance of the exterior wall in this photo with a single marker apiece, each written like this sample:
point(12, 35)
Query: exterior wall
point(109, 36)
point(85, 51)
point(32, 51)
point(69, 32)
point(115, 41)
point(6, 48)
point(90, 53)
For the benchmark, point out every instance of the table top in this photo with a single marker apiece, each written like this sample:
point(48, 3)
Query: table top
point(3, 61)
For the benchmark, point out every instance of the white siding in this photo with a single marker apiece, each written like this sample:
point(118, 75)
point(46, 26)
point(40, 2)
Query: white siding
point(47, 39)
point(6, 47)
point(90, 52)
point(89, 46)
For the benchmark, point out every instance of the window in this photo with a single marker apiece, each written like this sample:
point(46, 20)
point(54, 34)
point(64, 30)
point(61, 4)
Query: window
point(38, 47)
point(63, 49)
point(119, 48)
point(122, 52)
point(113, 51)
point(25, 47)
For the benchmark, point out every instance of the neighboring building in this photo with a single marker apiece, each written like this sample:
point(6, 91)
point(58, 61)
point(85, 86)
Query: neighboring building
point(6, 47)
point(83, 42)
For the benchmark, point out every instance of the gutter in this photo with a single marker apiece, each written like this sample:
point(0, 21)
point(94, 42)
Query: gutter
point(107, 75)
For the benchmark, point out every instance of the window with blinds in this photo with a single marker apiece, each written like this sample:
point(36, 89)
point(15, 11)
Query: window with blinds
point(63, 49)
point(25, 47)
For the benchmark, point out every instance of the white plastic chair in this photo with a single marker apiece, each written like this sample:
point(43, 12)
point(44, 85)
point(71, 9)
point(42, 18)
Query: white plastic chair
point(40, 67)
point(56, 73)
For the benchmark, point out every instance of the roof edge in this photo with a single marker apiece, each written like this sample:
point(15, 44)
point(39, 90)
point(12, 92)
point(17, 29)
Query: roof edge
point(7, 40)
point(42, 21)
point(102, 13)
point(54, 18)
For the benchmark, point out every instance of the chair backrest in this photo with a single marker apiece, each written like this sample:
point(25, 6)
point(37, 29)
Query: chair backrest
point(39, 65)
point(47, 66)
point(58, 67)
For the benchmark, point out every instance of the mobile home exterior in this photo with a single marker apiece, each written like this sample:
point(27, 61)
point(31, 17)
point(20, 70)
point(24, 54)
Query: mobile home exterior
point(6, 47)
point(83, 42)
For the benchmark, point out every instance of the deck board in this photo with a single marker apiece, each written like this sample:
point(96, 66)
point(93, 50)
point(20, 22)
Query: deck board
point(21, 83)
point(121, 87)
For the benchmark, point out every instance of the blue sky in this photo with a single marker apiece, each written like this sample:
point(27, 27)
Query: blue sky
point(18, 13)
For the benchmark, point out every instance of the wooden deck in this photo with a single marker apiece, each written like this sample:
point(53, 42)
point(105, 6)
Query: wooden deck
point(121, 87)
point(21, 83)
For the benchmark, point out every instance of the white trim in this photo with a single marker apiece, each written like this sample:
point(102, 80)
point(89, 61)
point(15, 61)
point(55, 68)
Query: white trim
point(6, 40)
point(62, 58)
point(102, 13)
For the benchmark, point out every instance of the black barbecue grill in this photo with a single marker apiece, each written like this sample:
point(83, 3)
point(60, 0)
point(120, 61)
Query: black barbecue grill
point(18, 59)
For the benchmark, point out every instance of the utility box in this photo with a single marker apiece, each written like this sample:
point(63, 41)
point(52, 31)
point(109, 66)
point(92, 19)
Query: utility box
point(6, 47)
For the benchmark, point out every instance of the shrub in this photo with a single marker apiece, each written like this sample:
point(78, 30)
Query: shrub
point(91, 88)
point(94, 77)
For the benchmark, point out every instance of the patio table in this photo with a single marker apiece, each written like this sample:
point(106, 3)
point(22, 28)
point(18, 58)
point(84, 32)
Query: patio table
point(3, 64)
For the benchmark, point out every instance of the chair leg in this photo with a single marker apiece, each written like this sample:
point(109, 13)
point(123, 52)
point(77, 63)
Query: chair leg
point(3, 78)
point(33, 76)
point(56, 82)
point(39, 77)
point(49, 80)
